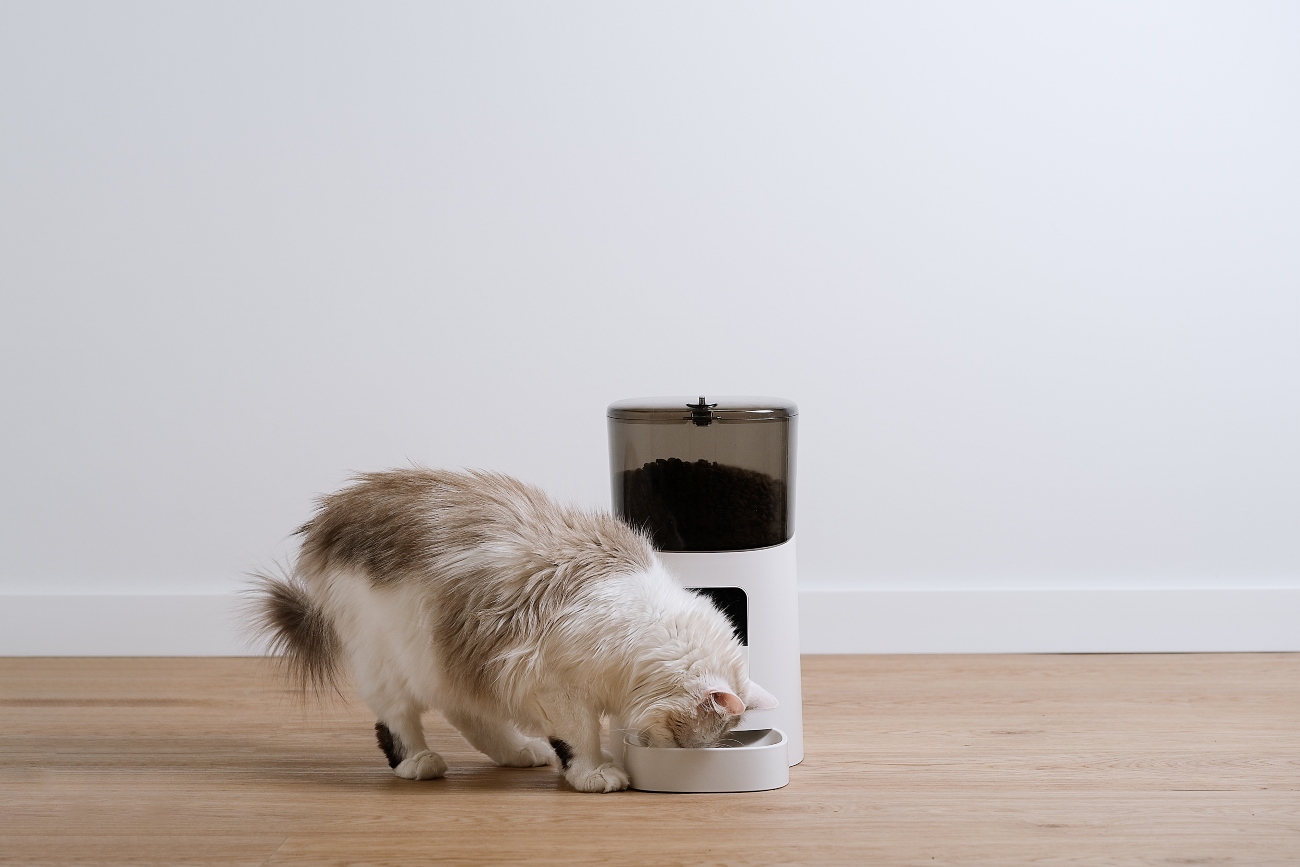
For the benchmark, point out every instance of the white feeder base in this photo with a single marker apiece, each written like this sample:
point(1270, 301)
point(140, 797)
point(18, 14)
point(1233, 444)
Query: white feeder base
point(770, 581)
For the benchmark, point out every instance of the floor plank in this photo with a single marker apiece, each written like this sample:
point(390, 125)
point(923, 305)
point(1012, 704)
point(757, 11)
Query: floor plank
point(997, 760)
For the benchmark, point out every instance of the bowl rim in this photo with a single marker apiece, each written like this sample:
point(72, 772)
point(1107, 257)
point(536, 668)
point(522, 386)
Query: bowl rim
point(782, 739)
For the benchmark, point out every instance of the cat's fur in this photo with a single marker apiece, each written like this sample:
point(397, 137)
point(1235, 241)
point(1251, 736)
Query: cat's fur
point(522, 621)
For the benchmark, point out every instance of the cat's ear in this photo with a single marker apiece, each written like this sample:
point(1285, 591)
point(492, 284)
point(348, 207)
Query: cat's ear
point(727, 702)
point(757, 698)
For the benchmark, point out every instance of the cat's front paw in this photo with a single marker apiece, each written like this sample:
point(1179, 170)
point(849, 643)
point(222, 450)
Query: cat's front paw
point(426, 765)
point(608, 777)
point(533, 754)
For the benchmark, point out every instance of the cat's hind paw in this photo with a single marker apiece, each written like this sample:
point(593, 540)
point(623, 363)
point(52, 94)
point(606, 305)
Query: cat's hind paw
point(608, 777)
point(426, 765)
point(533, 754)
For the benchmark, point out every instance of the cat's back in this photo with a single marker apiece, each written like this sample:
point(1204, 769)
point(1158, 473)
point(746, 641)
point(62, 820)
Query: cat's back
point(417, 520)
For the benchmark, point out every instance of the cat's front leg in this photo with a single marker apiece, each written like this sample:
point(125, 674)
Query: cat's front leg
point(576, 742)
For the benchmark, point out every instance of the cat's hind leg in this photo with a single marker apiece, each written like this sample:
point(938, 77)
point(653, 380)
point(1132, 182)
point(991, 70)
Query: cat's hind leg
point(401, 737)
point(500, 741)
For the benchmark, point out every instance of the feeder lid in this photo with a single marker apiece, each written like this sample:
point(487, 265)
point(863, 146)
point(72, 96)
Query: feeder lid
point(702, 410)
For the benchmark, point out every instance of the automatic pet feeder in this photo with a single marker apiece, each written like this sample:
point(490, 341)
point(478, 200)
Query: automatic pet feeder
point(713, 483)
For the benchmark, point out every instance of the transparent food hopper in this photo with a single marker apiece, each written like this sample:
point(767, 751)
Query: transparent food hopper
point(703, 476)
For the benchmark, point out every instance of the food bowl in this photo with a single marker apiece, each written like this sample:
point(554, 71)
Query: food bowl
point(749, 761)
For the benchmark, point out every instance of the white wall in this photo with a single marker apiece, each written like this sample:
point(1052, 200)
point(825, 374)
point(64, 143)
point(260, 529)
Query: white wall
point(1032, 272)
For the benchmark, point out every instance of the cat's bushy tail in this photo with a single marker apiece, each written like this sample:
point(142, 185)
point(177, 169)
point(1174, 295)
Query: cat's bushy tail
point(295, 628)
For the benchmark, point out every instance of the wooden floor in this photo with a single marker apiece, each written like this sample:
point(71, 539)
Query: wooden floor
point(986, 760)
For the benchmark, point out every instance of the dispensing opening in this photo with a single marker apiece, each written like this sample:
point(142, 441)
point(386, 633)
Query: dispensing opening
point(705, 474)
point(732, 602)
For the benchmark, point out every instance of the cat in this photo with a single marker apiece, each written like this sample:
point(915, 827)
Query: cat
point(523, 621)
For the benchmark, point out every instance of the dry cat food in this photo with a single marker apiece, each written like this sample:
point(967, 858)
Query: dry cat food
point(705, 506)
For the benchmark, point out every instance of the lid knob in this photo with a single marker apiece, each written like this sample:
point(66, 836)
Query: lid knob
point(701, 413)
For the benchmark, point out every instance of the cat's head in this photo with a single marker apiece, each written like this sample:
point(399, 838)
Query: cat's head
point(702, 715)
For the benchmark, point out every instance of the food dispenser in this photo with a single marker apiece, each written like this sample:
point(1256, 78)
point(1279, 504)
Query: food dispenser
point(712, 480)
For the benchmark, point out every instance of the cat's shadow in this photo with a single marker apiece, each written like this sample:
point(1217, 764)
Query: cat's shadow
point(461, 777)
point(467, 770)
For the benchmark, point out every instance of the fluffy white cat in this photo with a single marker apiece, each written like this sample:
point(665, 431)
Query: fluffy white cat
point(524, 622)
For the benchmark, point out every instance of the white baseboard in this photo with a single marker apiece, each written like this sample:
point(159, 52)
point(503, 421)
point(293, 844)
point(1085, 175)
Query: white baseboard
point(831, 621)
point(1050, 621)
point(122, 625)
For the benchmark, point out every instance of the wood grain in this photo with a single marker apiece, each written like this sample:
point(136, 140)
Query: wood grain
point(986, 760)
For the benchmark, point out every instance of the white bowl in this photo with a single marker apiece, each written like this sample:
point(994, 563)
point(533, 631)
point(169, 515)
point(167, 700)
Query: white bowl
point(750, 761)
